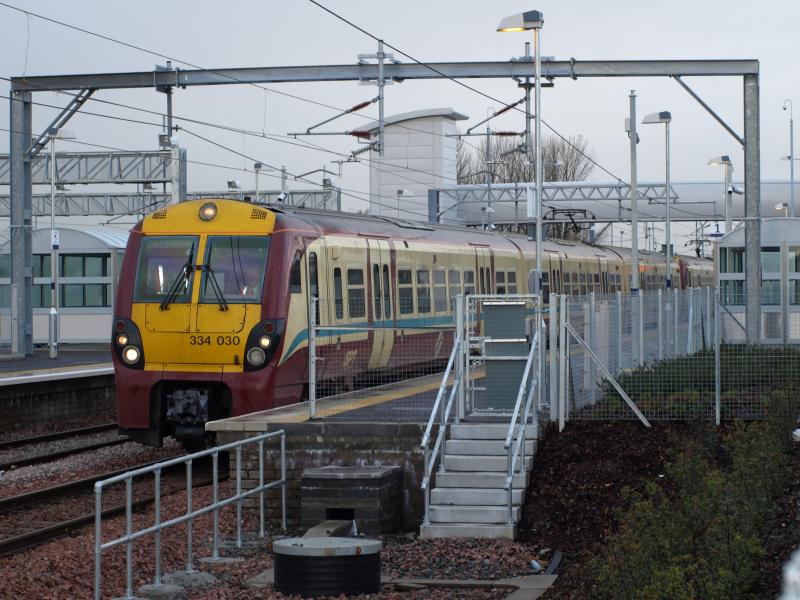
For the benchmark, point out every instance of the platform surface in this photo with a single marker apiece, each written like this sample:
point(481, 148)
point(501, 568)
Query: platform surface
point(71, 363)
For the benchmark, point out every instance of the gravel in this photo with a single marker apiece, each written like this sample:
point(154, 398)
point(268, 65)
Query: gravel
point(43, 427)
point(42, 449)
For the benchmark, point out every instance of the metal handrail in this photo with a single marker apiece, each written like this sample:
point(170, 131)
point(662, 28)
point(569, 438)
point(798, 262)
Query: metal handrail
point(444, 415)
point(513, 453)
point(188, 517)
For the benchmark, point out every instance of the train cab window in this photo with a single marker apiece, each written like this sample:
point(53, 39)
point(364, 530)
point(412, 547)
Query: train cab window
point(337, 293)
point(387, 304)
point(439, 291)
point(356, 307)
point(453, 285)
point(500, 282)
point(294, 275)
point(160, 269)
point(511, 279)
point(235, 267)
point(469, 283)
point(423, 291)
point(405, 292)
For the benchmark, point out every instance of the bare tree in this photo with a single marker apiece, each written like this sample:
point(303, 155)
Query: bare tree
point(563, 159)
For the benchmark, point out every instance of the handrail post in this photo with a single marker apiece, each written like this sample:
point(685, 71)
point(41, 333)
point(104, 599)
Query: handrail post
point(215, 500)
point(675, 301)
point(238, 496)
point(312, 357)
point(128, 531)
point(562, 343)
point(98, 541)
point(554, 379)
point(461, 325)
point(620, 364)
point(427, 476)
point(261, 507)
point(189, 523)
point(660, 327)
point(510, 486)
point(157, 511)
point(283, 478)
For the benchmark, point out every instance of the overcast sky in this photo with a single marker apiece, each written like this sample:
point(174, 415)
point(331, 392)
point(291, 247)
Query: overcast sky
point(271, 33)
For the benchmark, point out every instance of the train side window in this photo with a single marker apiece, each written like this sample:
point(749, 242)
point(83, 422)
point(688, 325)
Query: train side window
point(312, 274)
point(596, 282)
point(439, 291)
point(337, 293)
point(376, 292)
point(387, 304)
point(454, 286)
point(423, 291)
point(511, 279)
point(500, 281)
point(356, 307)
point(294, 275)
point(582, 282)
point(405, 292)
point(488, 281)
point(469, 282)
point(545, 287)
point(565, 286)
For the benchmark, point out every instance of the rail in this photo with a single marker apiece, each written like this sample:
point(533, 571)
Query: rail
point(443, 412)
point(191, 514)
point(512, 446)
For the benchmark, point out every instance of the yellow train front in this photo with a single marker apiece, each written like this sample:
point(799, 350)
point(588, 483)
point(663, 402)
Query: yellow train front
point(196, 325)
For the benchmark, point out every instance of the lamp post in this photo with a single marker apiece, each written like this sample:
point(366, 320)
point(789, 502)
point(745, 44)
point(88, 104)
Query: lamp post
point(257, 167)
point(656, 118)
point(54, 134)
point(727, 192)
point(791, 155)
point(400, 194)
point(533, 20)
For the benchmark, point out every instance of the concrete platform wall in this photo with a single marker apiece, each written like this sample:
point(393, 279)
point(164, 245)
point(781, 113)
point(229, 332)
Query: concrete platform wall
point(320, 444)
point(31, 404)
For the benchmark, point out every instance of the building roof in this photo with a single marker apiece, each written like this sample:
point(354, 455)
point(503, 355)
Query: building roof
point(446, 112)
point(84, 238)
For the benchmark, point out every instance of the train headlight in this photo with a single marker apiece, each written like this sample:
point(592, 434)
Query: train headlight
point(208, 211)
point(122, 339)
point(256, 357)
point(131, 355)
point(265, 341)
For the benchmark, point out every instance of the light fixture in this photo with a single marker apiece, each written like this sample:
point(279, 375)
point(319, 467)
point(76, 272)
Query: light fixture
point(131, 355)
point(265, 341)
point(234, 184)
point(664, 117)
point(531, 19)
point(122, 339)
point(727, 190)
point(208, 211)
point(256, 357)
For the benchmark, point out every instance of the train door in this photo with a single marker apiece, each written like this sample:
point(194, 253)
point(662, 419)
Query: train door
point(482, 275)
point(380, 266)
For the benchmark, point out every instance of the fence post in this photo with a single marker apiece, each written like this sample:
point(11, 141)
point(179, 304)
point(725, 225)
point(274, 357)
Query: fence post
point(717, 375)
point(709, 326)
point(620, 364)
point(562, 348)
point(591, 323)
point(312, 357)
point(98, 537)
point(640, 326)
point(461, 327)
point(555, 315)
point(660, 326)
point(690, 328)
point(675, 311)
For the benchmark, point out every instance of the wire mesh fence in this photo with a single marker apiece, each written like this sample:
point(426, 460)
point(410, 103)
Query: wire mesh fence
point(678, 354)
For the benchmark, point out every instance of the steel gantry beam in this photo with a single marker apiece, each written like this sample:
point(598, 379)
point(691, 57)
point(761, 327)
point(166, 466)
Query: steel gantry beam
point(21, 103)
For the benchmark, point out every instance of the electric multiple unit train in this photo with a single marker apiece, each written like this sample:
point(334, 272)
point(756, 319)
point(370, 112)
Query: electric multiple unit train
point(211, 313)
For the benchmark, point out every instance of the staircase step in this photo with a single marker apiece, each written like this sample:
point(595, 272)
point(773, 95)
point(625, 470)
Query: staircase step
point(460, 479)
point(464, 530)
point(486, 515)
point(475, 496)
point(487, 431)
point(484, 447)
point(463, 462)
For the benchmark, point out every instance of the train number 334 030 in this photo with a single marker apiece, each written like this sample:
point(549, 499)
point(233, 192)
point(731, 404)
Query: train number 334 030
point(220, 340)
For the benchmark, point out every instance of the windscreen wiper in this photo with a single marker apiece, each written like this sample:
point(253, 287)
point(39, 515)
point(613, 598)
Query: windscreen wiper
point(180, 280)
point(212, 279)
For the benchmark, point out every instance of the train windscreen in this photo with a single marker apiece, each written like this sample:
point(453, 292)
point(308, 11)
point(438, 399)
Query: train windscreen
point(234, 269)
point(162, 270)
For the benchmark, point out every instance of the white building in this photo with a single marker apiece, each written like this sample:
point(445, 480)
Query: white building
point(419, 154)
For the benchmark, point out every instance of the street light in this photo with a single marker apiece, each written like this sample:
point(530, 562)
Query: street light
point(533, 20)
point(657, 118)
point(727, 192)
point(401, 193)
point(791, 155)
point(53, 135)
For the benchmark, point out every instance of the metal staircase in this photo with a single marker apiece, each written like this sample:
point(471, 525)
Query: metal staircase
point(484, 463)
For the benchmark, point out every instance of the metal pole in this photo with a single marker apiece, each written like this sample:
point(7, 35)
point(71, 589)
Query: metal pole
point(752, 200)
point(53, 324)
point(312, 357)
point(261, 503)
point(20, 225)
point(98, 538)
point(554, 320)
point(538, 151)
point(238, 496)
point(667, 223)
point(256, 198)
point(619, 332)
point(190, 522)
point(634, 198)
point(728, 198)
point(592, 338)
point(381, 84)
point(675, 305)
point(562, 347)
point(528, 138)
point(640, 325)
point(717, 382)
point(283, 478)
point(157, 511)
point(215, 500)
point(487, 159)
point(660, 327)
point(461, 303)
point(128, 531)
point(791, 163)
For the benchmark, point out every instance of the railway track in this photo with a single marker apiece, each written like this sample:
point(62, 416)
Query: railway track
point(58, 453)
point(17, 512)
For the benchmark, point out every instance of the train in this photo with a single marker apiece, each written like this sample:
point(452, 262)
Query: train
point(212, 306)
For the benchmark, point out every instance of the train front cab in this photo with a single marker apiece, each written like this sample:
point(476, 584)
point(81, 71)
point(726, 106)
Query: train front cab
point(191, 337)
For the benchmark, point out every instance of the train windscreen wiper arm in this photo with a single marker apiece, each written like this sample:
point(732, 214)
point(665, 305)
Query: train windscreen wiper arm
point(212, 279)
point(180, 279)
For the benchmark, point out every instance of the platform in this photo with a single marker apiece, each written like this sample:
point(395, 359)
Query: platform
point(72, 363)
